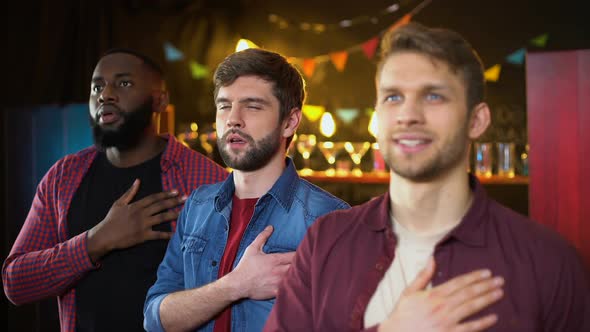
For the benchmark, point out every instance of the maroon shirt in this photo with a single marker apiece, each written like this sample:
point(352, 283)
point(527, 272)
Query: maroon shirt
point(345, 254)
point(241, 213)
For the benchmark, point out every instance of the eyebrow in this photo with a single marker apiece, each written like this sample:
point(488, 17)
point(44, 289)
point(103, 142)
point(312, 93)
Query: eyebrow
point(428, 87)
point(244, 101)
point(118, 75)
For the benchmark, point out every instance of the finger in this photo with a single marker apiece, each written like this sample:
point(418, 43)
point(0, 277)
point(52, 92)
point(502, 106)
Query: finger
point(156, 235)
point(260, 240)
point(475, 305)
point(461, 282)
point(474, 290)
point(161, 217)
point(163, 205)
point(127, 197)
point(422, 279)
point(154, 198)
point(283, 257)
point(480, 324)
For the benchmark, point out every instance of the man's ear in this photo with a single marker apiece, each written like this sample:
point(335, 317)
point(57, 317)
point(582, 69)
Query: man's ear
point(479, 120)
point(160, 101)
point(291, 122)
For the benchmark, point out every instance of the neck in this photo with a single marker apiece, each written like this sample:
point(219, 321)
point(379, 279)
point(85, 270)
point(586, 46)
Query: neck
point(430, 207)
point(147, 148)
point(257, 183)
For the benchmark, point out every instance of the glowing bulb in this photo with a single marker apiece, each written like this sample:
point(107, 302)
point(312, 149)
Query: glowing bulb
point(194, 126)
point(327, 125)
point(373, 128)
point(244, 44)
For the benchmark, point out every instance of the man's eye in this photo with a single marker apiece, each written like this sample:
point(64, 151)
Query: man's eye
point(393, 98)
point(125, 84)
point(223, 107)
point(434, 97)
point(96, 88)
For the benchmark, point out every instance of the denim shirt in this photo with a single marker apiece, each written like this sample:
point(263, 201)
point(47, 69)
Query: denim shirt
point(194, 252)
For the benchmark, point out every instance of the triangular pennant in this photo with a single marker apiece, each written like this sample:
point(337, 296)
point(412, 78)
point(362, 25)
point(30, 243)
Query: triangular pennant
point(493, 74)
point(198, 71)
point(541, 40)
point(172, 53)
point(313, 112)
point(402, 21)
point(309, 67)
point(339, 59)
point(370, 46)
point(347, 115)
point(517, 57)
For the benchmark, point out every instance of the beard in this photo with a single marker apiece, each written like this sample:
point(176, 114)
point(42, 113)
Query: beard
point(257, 156)
point(444, 159)
point(128, 135)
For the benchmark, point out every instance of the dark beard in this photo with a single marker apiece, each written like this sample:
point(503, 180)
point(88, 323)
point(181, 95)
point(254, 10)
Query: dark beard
point(259, 154)
point(128, 135)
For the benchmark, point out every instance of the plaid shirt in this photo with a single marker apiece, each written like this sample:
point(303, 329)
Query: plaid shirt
point(44, 262)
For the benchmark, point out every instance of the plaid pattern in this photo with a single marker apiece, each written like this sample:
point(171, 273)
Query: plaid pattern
point(43, 262)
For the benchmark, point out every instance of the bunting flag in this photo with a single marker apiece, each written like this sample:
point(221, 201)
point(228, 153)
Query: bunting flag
point(347, 115)
point(541, 40)
point(493, 74)
point(308, 67)
point(517, 57)
point(313, 112)
point(198, 71)
point(339, 59)
point(402, 21)
point(172, 53)
point(370, 46)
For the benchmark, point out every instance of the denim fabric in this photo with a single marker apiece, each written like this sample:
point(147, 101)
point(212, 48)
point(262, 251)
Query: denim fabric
point(194, 252)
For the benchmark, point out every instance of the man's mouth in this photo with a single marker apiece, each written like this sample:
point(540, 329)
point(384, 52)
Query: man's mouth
point(108, 114)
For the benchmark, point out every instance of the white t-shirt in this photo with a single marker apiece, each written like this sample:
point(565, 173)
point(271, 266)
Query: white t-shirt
point(411, 256)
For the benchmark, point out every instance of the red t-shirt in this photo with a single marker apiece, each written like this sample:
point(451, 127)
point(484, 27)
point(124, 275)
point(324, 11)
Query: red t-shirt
point(242, 211)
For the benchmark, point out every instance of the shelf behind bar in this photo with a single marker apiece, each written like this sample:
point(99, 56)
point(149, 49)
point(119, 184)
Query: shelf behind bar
point(383, 178)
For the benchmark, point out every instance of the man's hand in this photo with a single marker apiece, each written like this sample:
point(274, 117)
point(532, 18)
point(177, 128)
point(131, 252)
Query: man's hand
point(257, 275)
point(445, 307)
point(128, 224)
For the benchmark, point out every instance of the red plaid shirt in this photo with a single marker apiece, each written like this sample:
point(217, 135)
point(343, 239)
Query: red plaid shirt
point(44, 262)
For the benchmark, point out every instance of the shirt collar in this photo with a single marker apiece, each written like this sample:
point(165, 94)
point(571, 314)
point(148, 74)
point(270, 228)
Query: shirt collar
point(470, 229)
point(283, 190)
point(378, 214)
point(172, 152)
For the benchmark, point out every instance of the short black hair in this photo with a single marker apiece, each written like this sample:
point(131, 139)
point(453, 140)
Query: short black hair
point(153, 65)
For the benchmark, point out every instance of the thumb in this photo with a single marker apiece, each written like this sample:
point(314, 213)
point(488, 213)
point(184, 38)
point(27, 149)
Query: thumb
point(127, 197)
point(423, 278)
point(261, 239)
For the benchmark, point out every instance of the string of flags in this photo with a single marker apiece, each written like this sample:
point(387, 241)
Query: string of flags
point(517, 57)
point(369, 47)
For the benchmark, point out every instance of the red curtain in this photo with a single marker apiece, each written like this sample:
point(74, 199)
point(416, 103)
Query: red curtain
point(558, 102)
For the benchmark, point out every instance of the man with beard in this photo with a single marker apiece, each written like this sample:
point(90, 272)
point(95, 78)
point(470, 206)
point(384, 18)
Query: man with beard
point(434, 253)
point(100, 220)
point(236, 239)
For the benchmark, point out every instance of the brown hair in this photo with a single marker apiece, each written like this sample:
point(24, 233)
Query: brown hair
point(288, 84)
point(440, 44)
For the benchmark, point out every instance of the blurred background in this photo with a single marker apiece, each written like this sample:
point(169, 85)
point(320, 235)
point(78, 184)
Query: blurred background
point(50, 49)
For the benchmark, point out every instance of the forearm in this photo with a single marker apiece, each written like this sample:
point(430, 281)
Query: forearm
point(35, 275)
point(189, 309)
